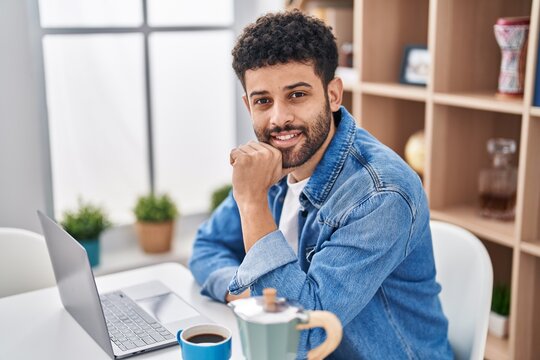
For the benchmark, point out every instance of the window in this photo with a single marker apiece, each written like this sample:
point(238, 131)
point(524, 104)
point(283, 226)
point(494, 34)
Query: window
point(138, 99)
point(190, 167)
point(90, 13)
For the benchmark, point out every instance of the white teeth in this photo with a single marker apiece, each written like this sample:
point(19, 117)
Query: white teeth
point(285, 137)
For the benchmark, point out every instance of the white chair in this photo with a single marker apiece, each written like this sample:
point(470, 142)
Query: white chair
point(24, 262)
point(465, 273)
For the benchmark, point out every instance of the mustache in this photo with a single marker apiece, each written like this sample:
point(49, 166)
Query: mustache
point(276, 129)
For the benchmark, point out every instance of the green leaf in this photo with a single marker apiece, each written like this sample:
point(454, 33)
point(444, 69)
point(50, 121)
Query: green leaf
point(500, 301)
point(153, 208)
point(87, 222)
point(219, 195)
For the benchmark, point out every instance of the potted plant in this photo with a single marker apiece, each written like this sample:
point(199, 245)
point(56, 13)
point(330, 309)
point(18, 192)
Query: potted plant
point(85, 225)
point(219, 195)
point(155, 222)
point(500, 309)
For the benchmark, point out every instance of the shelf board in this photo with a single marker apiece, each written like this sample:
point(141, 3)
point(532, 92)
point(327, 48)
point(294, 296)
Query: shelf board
point(481, 101)
point(466, 216)
point(395, 90)
point(496, 348)
point(352, 87)
point(349, 76)
point(530, 248)
point(535, 111)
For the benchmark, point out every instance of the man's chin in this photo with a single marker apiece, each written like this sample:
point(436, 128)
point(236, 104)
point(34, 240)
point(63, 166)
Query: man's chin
point(293, 163)
point(289, 166)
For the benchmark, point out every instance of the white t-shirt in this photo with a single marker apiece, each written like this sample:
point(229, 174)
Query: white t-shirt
point(288, 223)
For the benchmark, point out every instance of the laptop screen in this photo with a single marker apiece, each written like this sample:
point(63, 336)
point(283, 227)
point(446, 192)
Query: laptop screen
point(75, 281)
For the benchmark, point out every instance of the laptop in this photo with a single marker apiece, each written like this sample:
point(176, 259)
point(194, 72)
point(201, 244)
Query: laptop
point(126, 322)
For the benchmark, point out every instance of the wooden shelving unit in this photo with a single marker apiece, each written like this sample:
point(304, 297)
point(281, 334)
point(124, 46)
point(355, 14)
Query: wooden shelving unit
point(535, 111)
point(484, 100)
point(466, 216)
point(394, 90)
point(459, 111)
point(530, 248)
point(498, 349)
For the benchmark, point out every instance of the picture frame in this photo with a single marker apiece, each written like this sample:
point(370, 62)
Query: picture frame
point(415, 65)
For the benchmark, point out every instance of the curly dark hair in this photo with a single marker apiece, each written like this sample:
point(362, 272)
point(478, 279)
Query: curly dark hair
point(279, 38)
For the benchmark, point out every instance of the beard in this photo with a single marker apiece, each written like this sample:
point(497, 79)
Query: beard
point(314, 136)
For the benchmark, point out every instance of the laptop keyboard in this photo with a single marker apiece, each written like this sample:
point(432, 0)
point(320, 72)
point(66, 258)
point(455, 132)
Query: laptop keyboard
point(129, 326)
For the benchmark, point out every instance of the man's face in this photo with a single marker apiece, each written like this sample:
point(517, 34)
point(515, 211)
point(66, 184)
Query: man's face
point(290, 110)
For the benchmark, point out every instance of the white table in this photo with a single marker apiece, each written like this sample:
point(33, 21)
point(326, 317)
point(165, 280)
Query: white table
point(35, 325)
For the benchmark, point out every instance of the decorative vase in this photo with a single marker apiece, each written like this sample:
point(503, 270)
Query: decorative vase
point(415, 152)
point(512, 35)
point(92, 249)
point(155, 237)
point(498, 324)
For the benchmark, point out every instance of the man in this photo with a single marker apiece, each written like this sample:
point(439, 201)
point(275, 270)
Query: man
point(320, 210)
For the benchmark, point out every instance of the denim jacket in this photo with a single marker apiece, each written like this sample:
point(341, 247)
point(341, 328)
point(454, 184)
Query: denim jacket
point(364, 253)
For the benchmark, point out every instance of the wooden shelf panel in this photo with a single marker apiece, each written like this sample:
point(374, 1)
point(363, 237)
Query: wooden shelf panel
point(497, 348)
point(459, 154)
point(525, 310)
point(348, 99)
point(481, 101)
point(349, 76)
point(387, 28)
point(466, 55)
point(467, 217)
point(350, 87)
point(531, 248)
point(395, 90)
point(529, 183)
point(392, 120)
point(535, 111)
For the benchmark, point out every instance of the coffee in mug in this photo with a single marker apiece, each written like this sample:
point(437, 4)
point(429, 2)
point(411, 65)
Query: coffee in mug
point(205, 338)
point(205, 341)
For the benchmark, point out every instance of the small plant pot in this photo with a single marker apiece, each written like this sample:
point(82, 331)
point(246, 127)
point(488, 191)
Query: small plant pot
point(155, 237)
point(498, 324)
point(92, 250)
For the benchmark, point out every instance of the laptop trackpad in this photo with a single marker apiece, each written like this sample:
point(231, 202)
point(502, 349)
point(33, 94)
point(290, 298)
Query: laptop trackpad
point(167, 308)
point(160, 302)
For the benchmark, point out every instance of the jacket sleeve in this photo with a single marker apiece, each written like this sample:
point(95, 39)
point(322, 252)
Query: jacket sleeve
point(364, 248)
point(218, 250)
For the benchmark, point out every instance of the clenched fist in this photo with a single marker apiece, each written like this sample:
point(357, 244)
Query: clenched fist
point(256, 167)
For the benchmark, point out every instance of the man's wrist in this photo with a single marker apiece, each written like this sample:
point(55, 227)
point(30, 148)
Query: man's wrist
point(252, 204)
point(257, 221)
point(231, 297)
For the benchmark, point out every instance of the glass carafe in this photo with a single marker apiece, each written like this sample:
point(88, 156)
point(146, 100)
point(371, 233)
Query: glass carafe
point(497, 185)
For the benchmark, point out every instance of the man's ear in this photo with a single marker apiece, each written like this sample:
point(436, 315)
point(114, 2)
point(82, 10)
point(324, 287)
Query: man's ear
point(335, 93)
point(246, 102)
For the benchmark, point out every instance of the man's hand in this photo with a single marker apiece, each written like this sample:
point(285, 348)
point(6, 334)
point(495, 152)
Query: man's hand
point(231, 297)
point(256, 167)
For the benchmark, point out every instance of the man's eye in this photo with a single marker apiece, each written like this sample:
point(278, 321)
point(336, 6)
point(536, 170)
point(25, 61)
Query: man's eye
point(297, 94)
point(262, 101)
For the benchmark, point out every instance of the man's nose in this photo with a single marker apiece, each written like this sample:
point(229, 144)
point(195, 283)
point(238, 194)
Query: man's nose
point(281, 114)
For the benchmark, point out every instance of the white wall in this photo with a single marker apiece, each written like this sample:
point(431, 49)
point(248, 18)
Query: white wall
point(25, 183)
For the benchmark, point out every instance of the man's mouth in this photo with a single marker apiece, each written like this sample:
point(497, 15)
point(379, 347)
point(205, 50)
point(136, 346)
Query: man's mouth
point(285, 139)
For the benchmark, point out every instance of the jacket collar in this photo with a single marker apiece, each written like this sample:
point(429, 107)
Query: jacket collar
point(328, 169)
